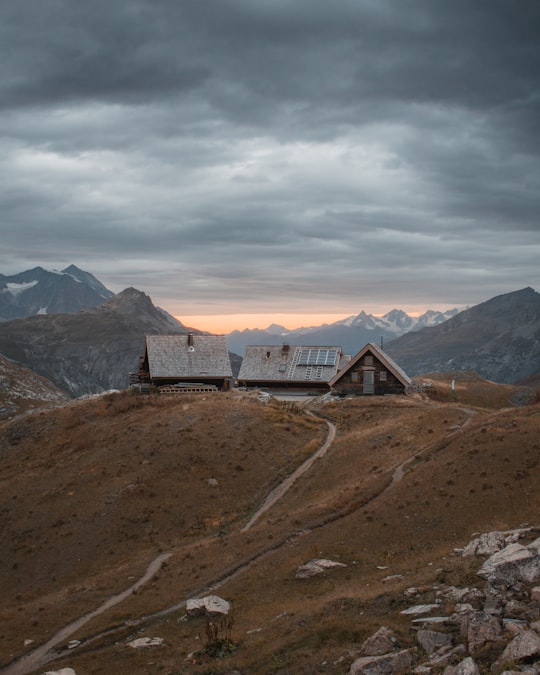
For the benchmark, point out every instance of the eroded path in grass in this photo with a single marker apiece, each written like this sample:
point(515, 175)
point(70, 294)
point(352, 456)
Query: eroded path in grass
point(277, 493)
point(399, 471)
point(44, 653)
point(39, 656)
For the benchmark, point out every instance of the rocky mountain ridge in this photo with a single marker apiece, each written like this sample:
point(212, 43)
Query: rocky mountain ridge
point(499, 339)
point(90, 351)
point(40, 291)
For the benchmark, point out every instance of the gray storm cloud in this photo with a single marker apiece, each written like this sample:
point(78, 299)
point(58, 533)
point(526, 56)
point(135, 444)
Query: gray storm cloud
point(274, 155)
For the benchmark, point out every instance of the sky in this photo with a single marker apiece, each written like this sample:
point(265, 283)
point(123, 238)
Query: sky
point(255, 159)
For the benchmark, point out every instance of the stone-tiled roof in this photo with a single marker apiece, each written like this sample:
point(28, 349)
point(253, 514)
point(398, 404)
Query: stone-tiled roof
point(284, 363)
point(188, 356)
point(382, 356)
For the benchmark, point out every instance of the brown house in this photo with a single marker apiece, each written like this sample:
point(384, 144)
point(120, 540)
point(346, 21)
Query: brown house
point(370, 372)
point(181, 360)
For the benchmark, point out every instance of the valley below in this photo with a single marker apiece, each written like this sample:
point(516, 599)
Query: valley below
point(95, 492)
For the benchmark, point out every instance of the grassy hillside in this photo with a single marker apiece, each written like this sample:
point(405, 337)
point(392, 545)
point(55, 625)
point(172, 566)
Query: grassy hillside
point(91, 493)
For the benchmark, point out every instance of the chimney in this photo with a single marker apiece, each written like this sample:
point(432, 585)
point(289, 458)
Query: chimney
point(190, 339)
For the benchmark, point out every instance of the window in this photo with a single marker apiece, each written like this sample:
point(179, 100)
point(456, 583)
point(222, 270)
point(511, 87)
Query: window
point(368, 360)
point(354, 376)
point(382, 376)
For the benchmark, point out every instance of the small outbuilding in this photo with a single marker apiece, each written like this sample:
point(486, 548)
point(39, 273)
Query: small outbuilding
point(181, 360)
point(370, 372)
point(289, 367)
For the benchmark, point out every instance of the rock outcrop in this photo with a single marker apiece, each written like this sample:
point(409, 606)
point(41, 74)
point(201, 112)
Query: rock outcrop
point(317, 566)
point(495, 627)
point(210, 605)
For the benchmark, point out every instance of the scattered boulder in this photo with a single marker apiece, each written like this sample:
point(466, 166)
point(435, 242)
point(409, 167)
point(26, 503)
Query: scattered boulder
point(444, 656)
point(513, 553)
point(386, 664)
point(486, 544)
point(514, 563)
point(524, 647)
point(465, 667)
point(420, 609)
point(480, 629)
point(210, 605)
point(316, 566)
point(146, 642)
point(432, 640)
point(62, 671)
point(503, 618)
point(463, 595)
point(381, 642)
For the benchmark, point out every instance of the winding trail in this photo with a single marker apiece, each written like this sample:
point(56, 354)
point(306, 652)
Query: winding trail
point(44, 654)
point(399, 471)
point(277, 493)
point(39, 656)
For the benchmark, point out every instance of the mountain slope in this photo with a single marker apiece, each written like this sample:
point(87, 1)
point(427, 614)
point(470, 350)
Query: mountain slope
point(91, 351)
point(110, 484)
point(39, 291)
point(499, 339)
point(22, 390)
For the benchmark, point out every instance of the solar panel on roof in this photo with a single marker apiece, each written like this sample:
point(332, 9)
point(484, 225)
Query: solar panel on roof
point(317, 357)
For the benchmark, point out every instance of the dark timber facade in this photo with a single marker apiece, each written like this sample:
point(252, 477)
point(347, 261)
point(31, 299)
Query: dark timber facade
point(370, 372)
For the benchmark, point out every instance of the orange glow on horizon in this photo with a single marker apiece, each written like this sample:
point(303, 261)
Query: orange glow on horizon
point(225, 323)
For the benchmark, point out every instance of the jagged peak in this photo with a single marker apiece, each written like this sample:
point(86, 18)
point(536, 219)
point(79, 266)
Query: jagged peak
point(128, 298)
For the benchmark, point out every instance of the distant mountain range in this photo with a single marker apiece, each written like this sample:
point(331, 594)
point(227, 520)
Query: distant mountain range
point(40, 291)
point(92, 348)
point(499, 339)
point(351, 333)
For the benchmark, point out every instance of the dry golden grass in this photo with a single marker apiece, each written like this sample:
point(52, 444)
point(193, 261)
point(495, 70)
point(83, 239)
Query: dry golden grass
point(92, 492)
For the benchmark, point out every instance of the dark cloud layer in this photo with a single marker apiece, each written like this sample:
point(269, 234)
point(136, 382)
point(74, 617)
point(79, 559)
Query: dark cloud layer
point(240, 155)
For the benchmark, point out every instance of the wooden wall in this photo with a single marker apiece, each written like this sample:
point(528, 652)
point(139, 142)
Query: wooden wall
point(384, 381)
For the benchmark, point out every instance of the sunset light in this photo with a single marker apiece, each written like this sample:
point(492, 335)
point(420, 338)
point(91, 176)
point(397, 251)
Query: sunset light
point(225, 323)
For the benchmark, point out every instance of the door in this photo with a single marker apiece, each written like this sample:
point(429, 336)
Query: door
point(369, 382)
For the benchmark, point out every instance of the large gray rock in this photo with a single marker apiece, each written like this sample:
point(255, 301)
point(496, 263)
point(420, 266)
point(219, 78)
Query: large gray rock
point(480, 629)
point(513, 553)
point(525, 646)
point(387, 664)
point(420, 609)
point(143, 642)
point(382, 642)
point(433, 640)
point(210, 604)
point(486, 544)
point(509, 574)
point(465, 667)
point(317, 566)
point(514, 563)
